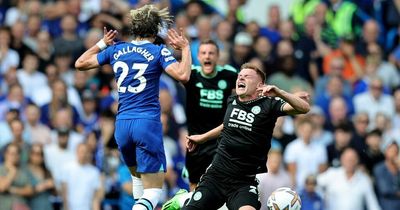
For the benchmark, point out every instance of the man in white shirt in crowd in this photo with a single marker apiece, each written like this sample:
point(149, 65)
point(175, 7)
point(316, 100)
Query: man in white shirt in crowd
point(347, 187)
point(81, 182)
point(302, 156)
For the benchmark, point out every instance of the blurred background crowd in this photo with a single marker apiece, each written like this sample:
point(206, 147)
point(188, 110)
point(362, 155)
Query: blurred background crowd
point(56, 124)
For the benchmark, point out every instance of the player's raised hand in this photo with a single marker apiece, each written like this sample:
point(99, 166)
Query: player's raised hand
point(109, 36)
point(268, 90)
point(193, 140)
point(177, 40)
point(303, 95)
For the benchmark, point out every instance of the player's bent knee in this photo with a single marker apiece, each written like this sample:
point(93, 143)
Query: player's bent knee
point(153, 180)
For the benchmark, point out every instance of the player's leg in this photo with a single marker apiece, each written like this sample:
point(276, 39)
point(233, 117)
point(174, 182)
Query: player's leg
point(206, 196)
point(196, 165)
point(245, 198)
point(150, 157)
point(137, 184)
point(127, 148)
point(180, 200)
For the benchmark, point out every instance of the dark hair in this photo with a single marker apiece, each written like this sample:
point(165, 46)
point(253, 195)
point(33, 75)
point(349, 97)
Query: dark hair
point(147, 21)
point(375, 132)
point(344, 126)
point(259, 72)
point(209, 41)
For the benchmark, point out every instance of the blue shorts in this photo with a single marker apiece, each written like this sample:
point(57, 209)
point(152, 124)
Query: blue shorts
point(141, 144)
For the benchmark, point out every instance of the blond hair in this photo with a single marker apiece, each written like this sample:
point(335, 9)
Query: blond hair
point(148, 20)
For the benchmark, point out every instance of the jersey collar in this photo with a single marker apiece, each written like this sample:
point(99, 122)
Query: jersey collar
point(140, 42)
point(216, 69)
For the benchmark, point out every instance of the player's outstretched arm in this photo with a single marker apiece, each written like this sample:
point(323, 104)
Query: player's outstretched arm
point(297, 103)
point(88, 60)
point(181, 70)
point(193, 140)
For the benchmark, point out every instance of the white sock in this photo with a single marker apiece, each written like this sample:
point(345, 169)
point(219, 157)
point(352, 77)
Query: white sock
point(149, 200)
point(137, 187)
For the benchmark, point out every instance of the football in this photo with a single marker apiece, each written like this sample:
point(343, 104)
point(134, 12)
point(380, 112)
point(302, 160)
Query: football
point(284, 198)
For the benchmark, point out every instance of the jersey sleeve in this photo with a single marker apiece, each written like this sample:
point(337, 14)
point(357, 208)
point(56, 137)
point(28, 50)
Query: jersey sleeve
point(103, 57)
point(276, 105)
point(166, 57)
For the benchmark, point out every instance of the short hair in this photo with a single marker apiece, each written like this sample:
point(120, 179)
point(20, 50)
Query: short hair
point(375, 132)
point(148, 20)
point(259, 72)
point(209, 41)
point(344, 126)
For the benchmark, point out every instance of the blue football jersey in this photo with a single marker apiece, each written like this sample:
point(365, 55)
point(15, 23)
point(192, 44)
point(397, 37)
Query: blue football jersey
point(137, 66)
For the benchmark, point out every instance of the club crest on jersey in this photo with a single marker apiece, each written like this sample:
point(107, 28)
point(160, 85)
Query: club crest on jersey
point(256, 109)
point(222, 84)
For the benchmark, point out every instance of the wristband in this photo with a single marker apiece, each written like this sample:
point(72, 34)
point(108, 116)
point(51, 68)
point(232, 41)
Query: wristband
point(101, 44)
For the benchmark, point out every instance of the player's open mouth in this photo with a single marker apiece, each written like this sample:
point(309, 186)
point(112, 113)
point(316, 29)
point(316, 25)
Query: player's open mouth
point(207, 63)
point(241, 85)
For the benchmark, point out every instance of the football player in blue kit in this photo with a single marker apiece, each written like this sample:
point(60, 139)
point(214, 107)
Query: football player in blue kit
point(138, 66)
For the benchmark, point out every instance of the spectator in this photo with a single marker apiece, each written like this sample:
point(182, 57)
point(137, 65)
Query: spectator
point(38, 132)
point(18, 37)
point(301, 9)
point(276, 177)
point(273, 22)
point(345, 17)
point(224, 35)
point(57, 154)
point(310, 199)
point(68, 42)
point(203, 25)
point(81, 182)
point(335, 70)
point(44, 50)
point(377, 101)
point(29, 76)
point(306, 51)
point(42, 181)
point(372, 155)
point(320, 134)
point(339, 183)
point(63, 121)
point(59, 100)
point(9, 58)
point(5, 127)
point(370, 36)
point(396, 117)
point(241, 50)
point(333, 89)
point(279, 133)
point(286, 78)
point(360, 125)
point(325, 36)
point(15, 185)
point(342, 140)
point(17, 129)
point(263, 49)
point(88, 120)
point(302, 156)
point(338, 112)
point(8, 79)
point(15, 99)
point(125, 199)
point(353, 63)
point(387, 175)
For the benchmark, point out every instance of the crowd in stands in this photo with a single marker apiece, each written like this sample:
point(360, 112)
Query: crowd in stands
point(56, 124)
